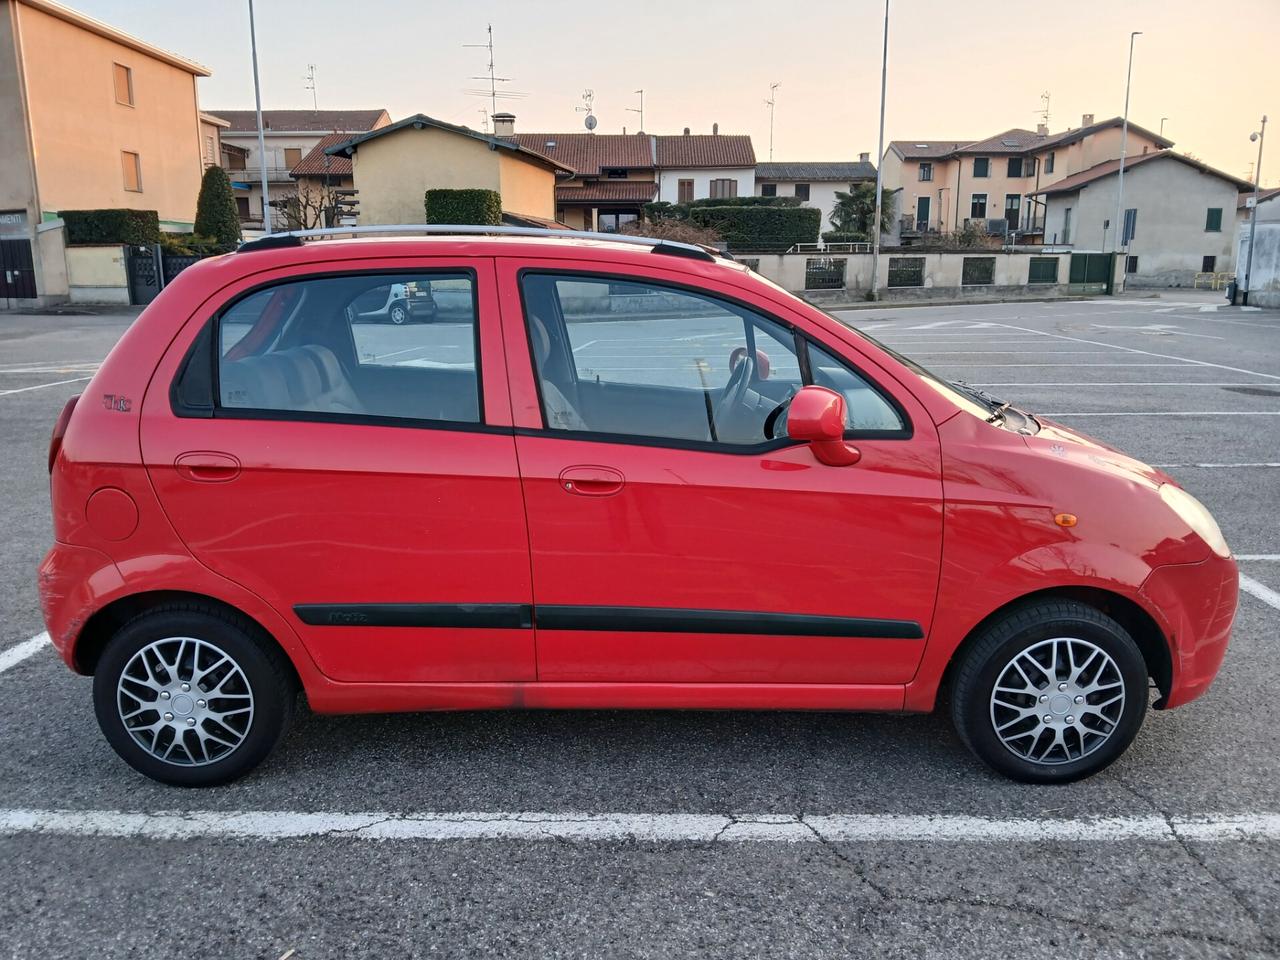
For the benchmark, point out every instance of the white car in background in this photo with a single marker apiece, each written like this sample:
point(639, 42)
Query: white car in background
point(396, 303)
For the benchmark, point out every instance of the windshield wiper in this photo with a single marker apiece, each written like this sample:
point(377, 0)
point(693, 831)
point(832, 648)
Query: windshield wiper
point(998, 406)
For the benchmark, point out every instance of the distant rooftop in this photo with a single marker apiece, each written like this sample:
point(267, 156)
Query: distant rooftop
point(817, 171)
point(308, 121)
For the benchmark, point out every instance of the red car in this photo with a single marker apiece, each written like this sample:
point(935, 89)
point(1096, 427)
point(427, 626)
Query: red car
point(607, 475)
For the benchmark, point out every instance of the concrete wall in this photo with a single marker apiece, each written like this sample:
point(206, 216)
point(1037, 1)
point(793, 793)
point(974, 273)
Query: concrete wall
point(50, 252)
point(1264, 272)
point(669, 181)
point(97, 274)
point(1172, 200)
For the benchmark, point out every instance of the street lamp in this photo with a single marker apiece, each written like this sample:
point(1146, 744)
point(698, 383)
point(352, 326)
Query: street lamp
point(1258, 136)
point(1120, 235)
point(262, 141)
point(875, 225)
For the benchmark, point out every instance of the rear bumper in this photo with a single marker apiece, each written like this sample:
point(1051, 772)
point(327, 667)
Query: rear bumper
point(73, 583)
point(1197, 602)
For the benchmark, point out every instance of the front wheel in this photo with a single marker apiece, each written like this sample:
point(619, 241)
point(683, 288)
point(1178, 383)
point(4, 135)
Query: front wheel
point(192, 696)
point(398, 314)
point(1052, 693)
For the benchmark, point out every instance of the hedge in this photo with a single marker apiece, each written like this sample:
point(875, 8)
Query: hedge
point(843, 236)
point(216, 215)
point(111, 226)
point(745, 202)
point(759, 227)
point(482, 207)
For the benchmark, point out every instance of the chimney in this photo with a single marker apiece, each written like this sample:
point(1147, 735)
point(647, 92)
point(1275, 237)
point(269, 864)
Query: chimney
point(1042, 129)
point(1086, 120)
point(864, 158)
point(686, 131)
point(504, 124)
point(715, 129)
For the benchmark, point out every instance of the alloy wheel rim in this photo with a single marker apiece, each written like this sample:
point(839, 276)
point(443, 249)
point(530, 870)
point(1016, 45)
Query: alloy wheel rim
point(185, 701)
point(399, 315)
point(1057, 701)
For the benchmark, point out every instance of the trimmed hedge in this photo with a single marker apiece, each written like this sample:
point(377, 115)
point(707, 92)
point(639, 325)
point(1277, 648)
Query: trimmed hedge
point(111, 226)
point(760, 227)
point(483, 207)
point(843, 236)
point(745, 202)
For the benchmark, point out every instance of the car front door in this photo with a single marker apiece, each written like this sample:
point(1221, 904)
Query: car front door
point(671, 540)
point(362, 478)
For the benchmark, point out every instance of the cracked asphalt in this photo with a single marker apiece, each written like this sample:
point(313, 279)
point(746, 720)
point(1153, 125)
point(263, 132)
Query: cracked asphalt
point(1206, 383)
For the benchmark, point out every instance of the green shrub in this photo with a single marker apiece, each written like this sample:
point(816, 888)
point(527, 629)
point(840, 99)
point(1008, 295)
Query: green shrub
point(746, 202)
point(111, 226)
point(844, 236)
point(216, 214)
point(760, 227)
point(193, 245)
point(482, 207)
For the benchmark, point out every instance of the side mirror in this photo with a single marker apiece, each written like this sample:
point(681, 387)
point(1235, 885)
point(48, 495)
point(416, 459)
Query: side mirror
point(816, 415)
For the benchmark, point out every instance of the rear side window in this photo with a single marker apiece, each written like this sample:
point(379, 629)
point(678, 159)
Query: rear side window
point(398, 347)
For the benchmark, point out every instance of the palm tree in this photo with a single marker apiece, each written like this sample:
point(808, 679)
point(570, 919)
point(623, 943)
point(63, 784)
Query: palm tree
point(855, 210)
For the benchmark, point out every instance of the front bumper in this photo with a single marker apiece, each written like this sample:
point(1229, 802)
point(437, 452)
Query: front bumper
point(1197, 602)
point(74, 583)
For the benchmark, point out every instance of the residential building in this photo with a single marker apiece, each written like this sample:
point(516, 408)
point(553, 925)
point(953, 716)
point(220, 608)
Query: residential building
point(1268, 213)
point(696, 166)
point(1178, 217)
point(322, 178)
point(814, 183)
point(91, 117)
point(394, 166)
point(993, 184)
point(211, 128)
point(289, 136)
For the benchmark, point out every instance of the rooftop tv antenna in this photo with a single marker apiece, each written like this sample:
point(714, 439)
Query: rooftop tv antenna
point(589, 121)
point(484, 118)
point(770, 104)
point(492, 93)
point(1044, 108)
point(639, 109)
point(311, 84)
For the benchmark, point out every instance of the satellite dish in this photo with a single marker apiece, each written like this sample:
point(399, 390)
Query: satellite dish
point(590, 121)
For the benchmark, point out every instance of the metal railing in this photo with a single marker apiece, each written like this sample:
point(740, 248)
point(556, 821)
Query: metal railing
point(1211, 280)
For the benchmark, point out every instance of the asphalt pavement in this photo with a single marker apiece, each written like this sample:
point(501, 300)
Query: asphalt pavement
point(666, 834)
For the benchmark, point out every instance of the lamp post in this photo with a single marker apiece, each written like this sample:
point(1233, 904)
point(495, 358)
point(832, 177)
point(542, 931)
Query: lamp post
point(1259, 135)
point(1122, 238)
point(875, 224)
point(262, 140)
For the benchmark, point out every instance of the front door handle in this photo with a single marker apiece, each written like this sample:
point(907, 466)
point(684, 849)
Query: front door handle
point(591, 481)
point(207, 466)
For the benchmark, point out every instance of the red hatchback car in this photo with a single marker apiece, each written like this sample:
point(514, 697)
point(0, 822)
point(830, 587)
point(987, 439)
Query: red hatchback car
point(604, 474)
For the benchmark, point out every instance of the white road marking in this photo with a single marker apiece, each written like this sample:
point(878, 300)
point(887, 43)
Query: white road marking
point(1121, 383)
point(273, 825)
point(968, 363)
point(53, 368)
point(1260, 590)
point(12, 656)
point(1258, 556)
point(1032, 353)
point(41, 386)
point(585, 345)
point(1216, 466)
point(1170, 413)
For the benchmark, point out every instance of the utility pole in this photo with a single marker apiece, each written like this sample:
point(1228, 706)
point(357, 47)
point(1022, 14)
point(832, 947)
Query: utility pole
point(262, 139)
point(640, 109)
point(770, 104)
point(875, 226)
point(1259, 136)
point(1122, 239)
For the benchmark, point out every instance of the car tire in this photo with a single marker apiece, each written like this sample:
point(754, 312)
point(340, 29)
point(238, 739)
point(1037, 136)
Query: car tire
point(177, 652)
point(398, 313)
point(1034, 696)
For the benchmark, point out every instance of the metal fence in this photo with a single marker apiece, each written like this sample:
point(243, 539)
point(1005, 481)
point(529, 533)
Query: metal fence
point(978, 271)
point(824, 273)
point(906, 271)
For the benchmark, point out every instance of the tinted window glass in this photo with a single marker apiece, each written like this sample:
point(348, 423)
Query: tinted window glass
point(401, 346)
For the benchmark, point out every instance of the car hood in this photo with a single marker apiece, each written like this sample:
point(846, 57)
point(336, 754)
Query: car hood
point(1059, 440)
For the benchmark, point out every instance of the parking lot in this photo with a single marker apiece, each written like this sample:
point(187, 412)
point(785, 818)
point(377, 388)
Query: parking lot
point(664, 834)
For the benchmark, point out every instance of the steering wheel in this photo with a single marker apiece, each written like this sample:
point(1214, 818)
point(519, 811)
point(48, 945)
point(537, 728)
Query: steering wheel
point(735, 389)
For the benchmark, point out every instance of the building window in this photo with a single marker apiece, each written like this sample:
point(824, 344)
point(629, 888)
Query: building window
point(1066, 225)
point(684, 191)
point(132, 165)
point(982, 166)
point(926, 171)
point(802, 191)
point(242, 208)
point(1213, 220)
point(1048, 163)
point(978, 271)
point(1012, 207)
point(768, 189)
point(1043, 270)
point(1208, 264)
point(1029, 166)
point(1015, 166)
point(726, 187)
point(235, 160)
point(615, 173)
point(978, 206)
point(124, 83)
point(292, 157)
point(1130, 226)
point(208, 149)
point(906, 271)
point(1131, 264)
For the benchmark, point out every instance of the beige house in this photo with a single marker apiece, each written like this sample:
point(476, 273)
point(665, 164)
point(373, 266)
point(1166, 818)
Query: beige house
point(91, 117)
point(394, 166)
point(994, 184)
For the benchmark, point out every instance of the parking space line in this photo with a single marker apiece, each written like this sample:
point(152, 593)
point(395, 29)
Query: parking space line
point(1217, 466)
point(1116, 383)
point(275, 825)
point(12, 656)
point(1260, 590)
point(1169, 413)
point(1258, 556)
point(41, 386)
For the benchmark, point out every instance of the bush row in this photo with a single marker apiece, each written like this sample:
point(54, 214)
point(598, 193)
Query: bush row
point(111, 226)
point(760, 227)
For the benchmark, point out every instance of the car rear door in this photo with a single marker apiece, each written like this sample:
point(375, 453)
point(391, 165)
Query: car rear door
point(671, 542)
point(360, 477)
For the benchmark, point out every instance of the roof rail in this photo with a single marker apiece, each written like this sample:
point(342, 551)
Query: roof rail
point(656, 245)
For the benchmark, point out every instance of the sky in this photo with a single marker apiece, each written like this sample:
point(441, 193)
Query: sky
point(962, 69)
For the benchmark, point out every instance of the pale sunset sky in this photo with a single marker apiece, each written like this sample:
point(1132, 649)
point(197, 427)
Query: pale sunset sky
point(961, 69)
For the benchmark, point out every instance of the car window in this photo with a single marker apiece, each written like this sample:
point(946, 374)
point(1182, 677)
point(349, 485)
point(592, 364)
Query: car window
point(866, 409)
point(401, 346)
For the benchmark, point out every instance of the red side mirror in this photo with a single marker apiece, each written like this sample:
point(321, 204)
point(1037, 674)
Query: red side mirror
point(816, 415)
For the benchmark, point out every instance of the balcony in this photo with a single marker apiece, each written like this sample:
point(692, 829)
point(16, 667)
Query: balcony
point(253, 174)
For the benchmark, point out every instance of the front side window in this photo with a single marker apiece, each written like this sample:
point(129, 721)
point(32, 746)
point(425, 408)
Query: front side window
point(982, 166)
point(639, 359)
point(386, 346)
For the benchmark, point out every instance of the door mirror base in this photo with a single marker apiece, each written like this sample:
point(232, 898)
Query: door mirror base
point(816, 415)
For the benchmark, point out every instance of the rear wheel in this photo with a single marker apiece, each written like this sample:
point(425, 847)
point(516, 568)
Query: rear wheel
point(1053, 692)
point(191, 696)
point(399, 313)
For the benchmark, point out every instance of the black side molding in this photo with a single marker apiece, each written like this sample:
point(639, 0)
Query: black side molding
point(509, 616)
point(676, 620)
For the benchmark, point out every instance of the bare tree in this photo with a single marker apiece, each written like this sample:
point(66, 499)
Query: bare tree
point(308, 206)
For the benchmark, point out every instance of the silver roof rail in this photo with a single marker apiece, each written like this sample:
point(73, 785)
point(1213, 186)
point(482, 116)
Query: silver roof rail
point(295, 237)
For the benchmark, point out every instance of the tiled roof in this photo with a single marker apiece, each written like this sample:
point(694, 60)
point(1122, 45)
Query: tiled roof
point(1079, 133)
point(317, 163)
point(609, 191)
point(1016, 140)
point(421, 120)
point(1013, 141)
point(816, 171)
point(589, 153)
point(311, 121)
point(926, 149)
point(1108, 167)
point(1263, 197)
point(705, 150)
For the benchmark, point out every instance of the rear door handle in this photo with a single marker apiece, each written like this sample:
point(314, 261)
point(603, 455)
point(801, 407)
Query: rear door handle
point(207, 466)
point(591, 481)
